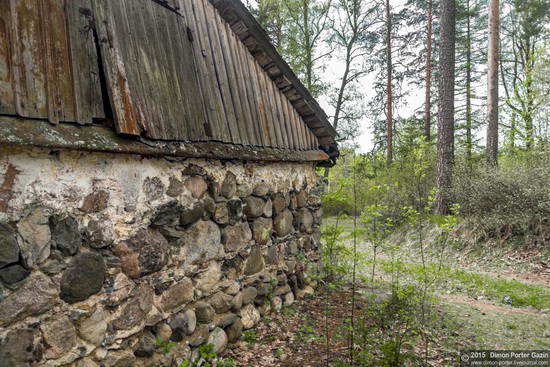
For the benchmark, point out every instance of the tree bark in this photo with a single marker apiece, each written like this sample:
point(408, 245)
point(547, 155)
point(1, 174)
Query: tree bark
point(468, 84)
point(492, 84)
point(445, 121)
point(427, 100)
point(389, 103)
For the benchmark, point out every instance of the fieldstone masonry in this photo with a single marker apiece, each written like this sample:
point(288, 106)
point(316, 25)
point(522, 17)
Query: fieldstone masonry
point(103, 255)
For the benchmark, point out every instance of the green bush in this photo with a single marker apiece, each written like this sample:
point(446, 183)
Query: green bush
point(513, 200)
point(390, 187)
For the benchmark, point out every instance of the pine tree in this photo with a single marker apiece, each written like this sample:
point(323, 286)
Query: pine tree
point(445, 122)
point(492, 84)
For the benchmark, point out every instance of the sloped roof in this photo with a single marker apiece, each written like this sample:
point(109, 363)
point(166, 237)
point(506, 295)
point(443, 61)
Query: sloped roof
point(169, 72)
point(254, 37)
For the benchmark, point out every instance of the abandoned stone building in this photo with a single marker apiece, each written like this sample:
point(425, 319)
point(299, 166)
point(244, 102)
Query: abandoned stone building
point(157, 180)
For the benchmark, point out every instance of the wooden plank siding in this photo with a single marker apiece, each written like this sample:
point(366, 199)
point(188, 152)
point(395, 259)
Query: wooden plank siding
point(178, 70)
point(88, 99)
point(7, 90)
point(48, 62)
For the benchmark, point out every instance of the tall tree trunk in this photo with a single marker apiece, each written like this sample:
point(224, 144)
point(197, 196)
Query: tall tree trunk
point(492, 84)
point(529, 103)
point(389, 104)
point(427, 100)
point(468, 84)
point(445, 121)
point(513, 131)
point(308, 46)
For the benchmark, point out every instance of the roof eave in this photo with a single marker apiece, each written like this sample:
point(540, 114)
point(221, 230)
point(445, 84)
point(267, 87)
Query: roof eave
point(257, 41)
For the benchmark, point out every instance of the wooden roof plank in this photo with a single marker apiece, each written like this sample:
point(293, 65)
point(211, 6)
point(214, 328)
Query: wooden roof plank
point(315, 142)
point(249, 93)
point(60, 93)
point(7, 94)
point(275, 121)
point(88, 99)
point(153, 64)
point(294, 125)
point(302, 131)
point(217, 119)
point(285, 128)
point(115, 71)
point(133, 38)
point(28, 59)
point(252, 94)
point(186, 59)
point(230, 70)
point(259, 45)
point(291, 123)
point(265, 113)
point(187, 102)
point(221, 73)
point(177, 124)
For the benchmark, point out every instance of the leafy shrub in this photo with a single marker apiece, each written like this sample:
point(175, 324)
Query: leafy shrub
point(249, 336)
point(207, 357)
point(513, 200)
point(391, 188)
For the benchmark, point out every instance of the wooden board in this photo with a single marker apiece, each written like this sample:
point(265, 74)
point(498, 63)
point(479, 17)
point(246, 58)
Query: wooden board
point(246, 63)
point(7, 93)
point(28, 58)
point(126, 118)
point(205, 60)
point(151, 71)
point(213, 23)
point(60, 94)
point(265, 112)
point(189, 23)
point(88, 100)
point(230, 71)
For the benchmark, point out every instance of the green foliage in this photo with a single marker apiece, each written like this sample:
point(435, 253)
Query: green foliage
point(279, 353)
point(511, 201)
point(207, 357)
point(406, 183)
point(164, 345)
point(305, 334)
point(249, 337)
point(335, 253)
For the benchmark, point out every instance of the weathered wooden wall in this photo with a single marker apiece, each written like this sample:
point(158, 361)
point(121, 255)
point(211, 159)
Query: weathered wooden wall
point(174, 70)
point(48, 61)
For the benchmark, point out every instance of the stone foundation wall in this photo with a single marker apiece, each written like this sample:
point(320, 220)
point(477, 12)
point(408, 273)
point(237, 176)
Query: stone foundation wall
point(102, 256)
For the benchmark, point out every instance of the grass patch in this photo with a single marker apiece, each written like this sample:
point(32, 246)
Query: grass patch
point(522, 294)
point(452, 280)
point(485, 330)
